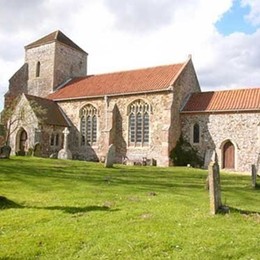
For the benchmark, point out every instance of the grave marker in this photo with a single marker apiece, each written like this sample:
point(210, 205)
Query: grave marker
point(214, 187)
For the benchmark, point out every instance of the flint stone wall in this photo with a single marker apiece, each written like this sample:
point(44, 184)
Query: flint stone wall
point(242, 129)
point(59, 63)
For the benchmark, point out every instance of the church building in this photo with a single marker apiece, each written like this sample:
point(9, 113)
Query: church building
point(142, 112)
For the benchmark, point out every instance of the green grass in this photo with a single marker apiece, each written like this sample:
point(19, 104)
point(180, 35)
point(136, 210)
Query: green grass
point(58, 209)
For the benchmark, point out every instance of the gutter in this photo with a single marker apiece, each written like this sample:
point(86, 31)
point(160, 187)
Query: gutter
point(114, 95)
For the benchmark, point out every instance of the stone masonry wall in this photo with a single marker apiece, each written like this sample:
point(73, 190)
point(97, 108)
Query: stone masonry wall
point(159, 125)
point(58, 63)
point(40, 86)
point(69, 63)
point(242, 129)
point(17, 85)
point(186, 84)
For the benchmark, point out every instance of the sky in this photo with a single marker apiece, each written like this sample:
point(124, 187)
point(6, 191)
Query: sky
point(221, 36)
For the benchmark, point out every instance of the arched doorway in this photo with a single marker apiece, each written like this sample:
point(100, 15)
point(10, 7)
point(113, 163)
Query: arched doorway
point(22, 141)
point(228, 155)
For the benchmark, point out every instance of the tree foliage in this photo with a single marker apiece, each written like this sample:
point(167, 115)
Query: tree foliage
point(184, 154)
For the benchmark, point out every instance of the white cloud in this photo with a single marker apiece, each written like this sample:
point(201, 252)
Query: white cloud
point(121, 36)
point(254, 15)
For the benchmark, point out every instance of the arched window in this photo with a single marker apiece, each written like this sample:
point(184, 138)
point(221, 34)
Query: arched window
point(196, 133)
point(88, 124)
point(258, 136)
point(38, 69)
point(139, 123)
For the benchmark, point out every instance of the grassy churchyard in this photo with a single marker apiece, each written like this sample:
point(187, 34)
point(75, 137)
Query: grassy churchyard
point(54, 209)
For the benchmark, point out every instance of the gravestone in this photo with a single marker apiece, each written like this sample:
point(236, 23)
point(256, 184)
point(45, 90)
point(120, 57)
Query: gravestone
point(5, 152)
point(110, 158)
point(254, 173)
point(65, 153)
point(208, 157)
point(214, 187)
point(37, 150)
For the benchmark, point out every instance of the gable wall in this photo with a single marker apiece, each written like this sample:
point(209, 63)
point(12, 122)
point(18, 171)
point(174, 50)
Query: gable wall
point(240, 128)
point(17, 85)
point(186, 84)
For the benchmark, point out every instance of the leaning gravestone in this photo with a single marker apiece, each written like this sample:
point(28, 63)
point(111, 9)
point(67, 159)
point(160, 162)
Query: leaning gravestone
point(214, 188)
point(5, 152)
point(110, 158)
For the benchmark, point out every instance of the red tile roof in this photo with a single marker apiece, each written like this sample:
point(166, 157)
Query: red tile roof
point(224, 101)
point(125, 82)
point(52, 37)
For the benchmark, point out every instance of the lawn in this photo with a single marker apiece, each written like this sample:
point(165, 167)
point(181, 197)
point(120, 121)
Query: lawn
point(58, 209)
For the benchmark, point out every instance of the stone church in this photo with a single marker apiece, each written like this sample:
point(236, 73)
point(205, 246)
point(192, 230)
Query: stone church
point(141, 112)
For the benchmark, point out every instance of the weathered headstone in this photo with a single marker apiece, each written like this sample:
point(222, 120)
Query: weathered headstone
point(65, 153)
point(208, 158)
point(110, 158)
point(254, 174)
point(5, 152)
point(214, 187)
point(37, 150)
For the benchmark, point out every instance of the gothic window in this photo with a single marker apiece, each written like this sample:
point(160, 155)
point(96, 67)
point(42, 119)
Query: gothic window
point(38, 69)
point(196, 133)
point(88, 124)
point(139, 123)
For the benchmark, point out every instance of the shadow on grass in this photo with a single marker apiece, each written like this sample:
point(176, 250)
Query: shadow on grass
point(9, 204)
point(75, 210)
point(243, 212)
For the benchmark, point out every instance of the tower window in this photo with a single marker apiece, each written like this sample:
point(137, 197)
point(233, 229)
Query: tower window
point(38, 69)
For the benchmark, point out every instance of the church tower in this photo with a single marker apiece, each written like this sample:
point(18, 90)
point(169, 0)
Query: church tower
point(53, 60)
point(49, 62)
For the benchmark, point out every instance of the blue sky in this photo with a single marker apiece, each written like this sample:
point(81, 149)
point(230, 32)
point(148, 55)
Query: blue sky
point(234, 20)
point(220, 35)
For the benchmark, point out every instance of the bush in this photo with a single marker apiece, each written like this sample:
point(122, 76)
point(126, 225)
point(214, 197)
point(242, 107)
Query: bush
point(184, 154)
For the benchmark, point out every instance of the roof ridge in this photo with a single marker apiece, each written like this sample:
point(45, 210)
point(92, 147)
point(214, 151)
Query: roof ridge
point(133, 70)
point(56, 36)
point(229, 90)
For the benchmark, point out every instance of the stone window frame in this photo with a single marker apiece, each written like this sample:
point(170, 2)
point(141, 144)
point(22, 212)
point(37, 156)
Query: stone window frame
point(38, 69)
point(192, 136)
point(139, 126)
point(55, 139)
point(88, 125)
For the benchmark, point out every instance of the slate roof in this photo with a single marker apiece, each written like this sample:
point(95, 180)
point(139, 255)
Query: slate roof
point(52, 113)
point(52, 37)
point(224, 101)
point(125, 82)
